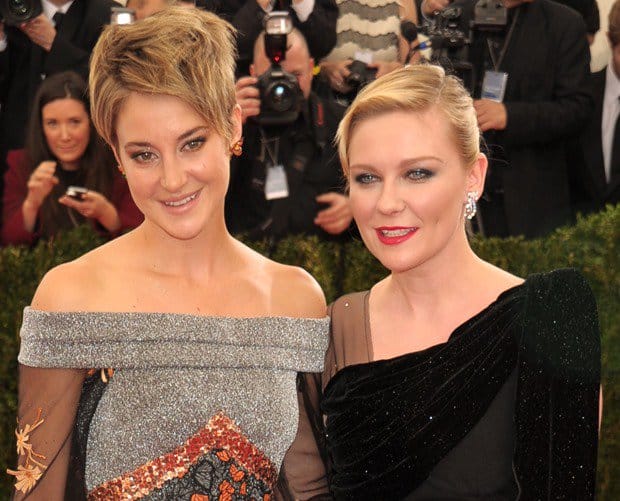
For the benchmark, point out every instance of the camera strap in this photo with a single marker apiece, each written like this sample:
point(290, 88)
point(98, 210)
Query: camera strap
point(497, 60)
point(318, 120)
point(269, 148)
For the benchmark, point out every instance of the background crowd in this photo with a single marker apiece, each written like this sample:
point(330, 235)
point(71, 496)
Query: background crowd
point(550, 136)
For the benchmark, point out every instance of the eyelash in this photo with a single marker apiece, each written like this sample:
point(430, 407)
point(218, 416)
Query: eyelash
point(191, 145)
point(197, 141)
point(415, 175)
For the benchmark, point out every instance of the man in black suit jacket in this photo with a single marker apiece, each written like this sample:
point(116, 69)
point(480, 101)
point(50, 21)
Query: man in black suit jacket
point(545, 54)
point(39, 48)
point(597, 169)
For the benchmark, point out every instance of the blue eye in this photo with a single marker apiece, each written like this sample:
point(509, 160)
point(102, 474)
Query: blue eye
point(419, 174)
point(365, 178)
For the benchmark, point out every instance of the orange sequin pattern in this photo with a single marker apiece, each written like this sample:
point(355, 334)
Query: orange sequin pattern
point(220, 434)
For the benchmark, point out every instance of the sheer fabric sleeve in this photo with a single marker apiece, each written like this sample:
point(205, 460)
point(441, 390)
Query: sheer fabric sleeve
point(304, 472)
point(48, 401)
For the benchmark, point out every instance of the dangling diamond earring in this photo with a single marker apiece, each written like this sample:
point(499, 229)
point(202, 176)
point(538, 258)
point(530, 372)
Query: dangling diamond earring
point(470, 205)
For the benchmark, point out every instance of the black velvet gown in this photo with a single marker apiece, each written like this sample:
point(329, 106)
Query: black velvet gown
point(505, 409)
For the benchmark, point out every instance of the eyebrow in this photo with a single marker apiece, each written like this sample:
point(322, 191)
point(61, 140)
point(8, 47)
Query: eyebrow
point(185, 135)
point(402, 163)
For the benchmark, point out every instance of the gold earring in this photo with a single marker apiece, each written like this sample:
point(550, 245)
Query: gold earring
point(236, 149)
point(120, 169)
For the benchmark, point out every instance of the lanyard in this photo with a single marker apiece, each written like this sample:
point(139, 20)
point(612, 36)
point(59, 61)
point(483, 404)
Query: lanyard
point(498, 62)
point(265, 147)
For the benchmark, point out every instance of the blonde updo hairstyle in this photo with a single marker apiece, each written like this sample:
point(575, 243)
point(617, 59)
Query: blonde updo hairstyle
point(185, 53)
point(415, 89)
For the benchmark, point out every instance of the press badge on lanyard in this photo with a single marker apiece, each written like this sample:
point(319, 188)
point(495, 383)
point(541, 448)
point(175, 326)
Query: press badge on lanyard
point(494, 83)
point(276, 185)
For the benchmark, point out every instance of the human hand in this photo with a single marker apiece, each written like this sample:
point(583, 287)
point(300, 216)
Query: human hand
point(248, 97)
point(337, 217)
point(40, 184)
point(337, 73)
point(491, 114)
point(429, 7)
point(94, 205)
point(264, 4)
point(40, 30)
point(384, 67)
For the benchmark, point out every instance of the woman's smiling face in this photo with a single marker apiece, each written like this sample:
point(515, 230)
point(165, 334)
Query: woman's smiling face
point(177, 168)
point(408, 186)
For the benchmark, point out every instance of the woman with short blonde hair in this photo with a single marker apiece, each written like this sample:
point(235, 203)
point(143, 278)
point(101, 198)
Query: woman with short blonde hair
point(163, 365)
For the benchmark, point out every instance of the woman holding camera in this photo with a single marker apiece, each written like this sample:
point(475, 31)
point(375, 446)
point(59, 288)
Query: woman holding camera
point(62, 150)
point(193, 340)
point(450, 378)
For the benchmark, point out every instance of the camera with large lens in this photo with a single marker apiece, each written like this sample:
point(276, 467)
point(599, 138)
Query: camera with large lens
point(16, 12)
point(280, 95)
point(360, 75)
point(450, 45)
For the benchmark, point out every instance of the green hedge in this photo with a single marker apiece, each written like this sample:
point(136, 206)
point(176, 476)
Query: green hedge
point(592, 245)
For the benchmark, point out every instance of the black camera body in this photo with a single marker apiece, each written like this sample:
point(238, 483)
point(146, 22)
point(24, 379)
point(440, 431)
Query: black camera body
point(16, 12)
point(280, 95)
point(360, 75)
point(451, 45)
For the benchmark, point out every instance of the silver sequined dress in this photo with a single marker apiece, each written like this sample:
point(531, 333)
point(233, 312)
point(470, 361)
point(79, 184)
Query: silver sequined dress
point(196, 405)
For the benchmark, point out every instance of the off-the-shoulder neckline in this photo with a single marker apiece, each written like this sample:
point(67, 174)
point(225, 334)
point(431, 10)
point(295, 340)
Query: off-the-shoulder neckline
point(30, 309)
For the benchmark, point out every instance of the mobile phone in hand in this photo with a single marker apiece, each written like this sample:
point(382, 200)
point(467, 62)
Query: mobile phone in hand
point(76, 192)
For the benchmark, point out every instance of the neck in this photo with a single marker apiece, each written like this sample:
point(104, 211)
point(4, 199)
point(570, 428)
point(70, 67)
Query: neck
point(207, 254)
point(439, 280)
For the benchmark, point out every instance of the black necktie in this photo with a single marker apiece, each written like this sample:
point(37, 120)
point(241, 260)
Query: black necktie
point(57, 18)
point(614, 164)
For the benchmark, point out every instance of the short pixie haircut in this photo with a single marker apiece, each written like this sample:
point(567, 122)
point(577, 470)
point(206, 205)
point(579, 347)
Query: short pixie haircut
point(180, 52)
point(415, 89)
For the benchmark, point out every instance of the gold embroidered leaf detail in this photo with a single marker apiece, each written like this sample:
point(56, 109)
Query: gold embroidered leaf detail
point(26, 477)
point(30, 472)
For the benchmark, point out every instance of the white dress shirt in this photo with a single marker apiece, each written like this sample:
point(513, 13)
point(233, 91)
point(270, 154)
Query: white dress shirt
point(611, 109)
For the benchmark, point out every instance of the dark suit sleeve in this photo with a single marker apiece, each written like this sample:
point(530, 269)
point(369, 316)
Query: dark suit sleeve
point(542, 119)
point(319, 29)
point(74, 53)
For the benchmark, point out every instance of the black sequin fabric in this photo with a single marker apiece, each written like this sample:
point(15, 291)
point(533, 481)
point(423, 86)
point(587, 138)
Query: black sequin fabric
point(390, 422)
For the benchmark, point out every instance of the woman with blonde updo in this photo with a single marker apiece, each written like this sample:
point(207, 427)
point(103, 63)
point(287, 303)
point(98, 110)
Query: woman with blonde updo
point(450, 378)
point(163, 364)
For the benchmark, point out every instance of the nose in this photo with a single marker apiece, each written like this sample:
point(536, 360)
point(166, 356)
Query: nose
point(64, 132)
point(173, 176)
point(390, 200)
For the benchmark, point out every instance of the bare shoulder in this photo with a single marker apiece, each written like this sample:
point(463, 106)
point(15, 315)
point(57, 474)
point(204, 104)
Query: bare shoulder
point(62, 287)
point(68, 286)
point(500, 279)
point(296, 293)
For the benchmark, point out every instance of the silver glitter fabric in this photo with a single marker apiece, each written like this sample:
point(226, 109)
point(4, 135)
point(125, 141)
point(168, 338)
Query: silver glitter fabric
point(173, 372)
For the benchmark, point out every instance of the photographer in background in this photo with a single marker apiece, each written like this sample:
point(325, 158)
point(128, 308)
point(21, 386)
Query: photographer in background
point(532, 73)
point(369, 44)
point(59, 38)
point(316, 19)
point(288, 179)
